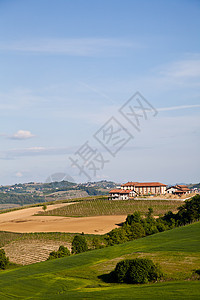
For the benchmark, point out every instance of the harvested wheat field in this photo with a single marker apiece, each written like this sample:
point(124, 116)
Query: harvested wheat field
point(25, 221)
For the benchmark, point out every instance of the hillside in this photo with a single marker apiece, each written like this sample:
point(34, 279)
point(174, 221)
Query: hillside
point(32, 193)
point(83, 276)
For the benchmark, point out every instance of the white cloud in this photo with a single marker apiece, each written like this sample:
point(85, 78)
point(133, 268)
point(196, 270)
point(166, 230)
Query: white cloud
point(69, 46)
point(22, 135)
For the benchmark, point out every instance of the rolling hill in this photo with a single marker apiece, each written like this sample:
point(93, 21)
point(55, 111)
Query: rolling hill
point(83, 276)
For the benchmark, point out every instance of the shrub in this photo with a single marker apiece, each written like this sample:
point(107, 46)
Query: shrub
point(96, 243)
point(116, 236)
point(134, 218)
point(62, 252)
point(190, 211)
point(135, 231)
point(4, 261)
point(137, 270)
point(79, 244)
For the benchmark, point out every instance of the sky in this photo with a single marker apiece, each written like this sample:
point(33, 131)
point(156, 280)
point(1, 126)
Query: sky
point(99, 90)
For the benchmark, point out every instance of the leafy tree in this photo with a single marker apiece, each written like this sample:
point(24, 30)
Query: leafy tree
point(134, 218)
point(135, 231)
point(79, 244)
point(62, 252)
point(4, 261)
point(138, 270)
point(116, 236)
point(44, 207)
point(189, 212)
point(150, 212)
point(96, 243)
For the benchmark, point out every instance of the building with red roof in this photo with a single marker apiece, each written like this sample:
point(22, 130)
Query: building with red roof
point(131, 189)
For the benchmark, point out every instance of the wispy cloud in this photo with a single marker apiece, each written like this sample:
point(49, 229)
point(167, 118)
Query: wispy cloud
point(178, 107)
point(184, 68)
point(34, 151)
point(67, 46)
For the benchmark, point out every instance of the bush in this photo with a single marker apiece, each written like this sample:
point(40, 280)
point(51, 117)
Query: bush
point(137, 270)
point(189, 212)
point(135, 231)
point(62, 252)
point(96, 243)
point(116, 236)
point(134, 218)
point(79, 244)
point(4, 261)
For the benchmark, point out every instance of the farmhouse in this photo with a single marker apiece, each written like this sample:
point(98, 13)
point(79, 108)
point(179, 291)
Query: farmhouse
point(119, 194)
point(178, 189)
point(131, 189)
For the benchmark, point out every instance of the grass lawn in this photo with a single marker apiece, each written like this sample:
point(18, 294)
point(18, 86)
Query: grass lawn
point(77, 277)
point(109, 207)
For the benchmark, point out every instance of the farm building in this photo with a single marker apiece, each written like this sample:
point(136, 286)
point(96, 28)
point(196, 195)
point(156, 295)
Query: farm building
point(178, 189)
point(131, 189)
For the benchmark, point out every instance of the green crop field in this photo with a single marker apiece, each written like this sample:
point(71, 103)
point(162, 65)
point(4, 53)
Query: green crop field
point(83, 276)
point(121, 207)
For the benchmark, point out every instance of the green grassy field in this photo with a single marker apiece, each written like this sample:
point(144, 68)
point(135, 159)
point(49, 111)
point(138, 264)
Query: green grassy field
point(105, 207)
point(80, 276)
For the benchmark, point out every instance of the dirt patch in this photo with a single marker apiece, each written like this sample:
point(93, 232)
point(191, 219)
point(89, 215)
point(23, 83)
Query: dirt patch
point(29, 252)
point(25, 221)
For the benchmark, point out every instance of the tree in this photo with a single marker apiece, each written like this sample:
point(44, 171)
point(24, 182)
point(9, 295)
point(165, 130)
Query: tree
point(134, 218)
point(4, 261)
point(79, 244)
point(135, 231)
point(138, 270)
point(189, 212)
point(150, 212)
point(62, 252)
point(44, 207)
point(96, 243)
point(116, 236)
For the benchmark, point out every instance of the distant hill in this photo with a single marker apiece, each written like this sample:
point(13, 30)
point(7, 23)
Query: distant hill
point(33, 192)
point(194, 185)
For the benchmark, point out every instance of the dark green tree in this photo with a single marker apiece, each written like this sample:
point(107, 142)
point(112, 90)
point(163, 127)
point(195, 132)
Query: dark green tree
point(79, 244)
point(138, 270)
point(116, 236)
point(96, 243)
point(62, 252)
point(4, 261)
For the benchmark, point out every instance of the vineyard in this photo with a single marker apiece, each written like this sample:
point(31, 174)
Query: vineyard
point(109, 207)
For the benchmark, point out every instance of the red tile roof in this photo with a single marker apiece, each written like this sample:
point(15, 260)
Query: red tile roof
point(119, 191)
point(149, 184)
point(182, 185)
point(143, 184)
point(129, 183)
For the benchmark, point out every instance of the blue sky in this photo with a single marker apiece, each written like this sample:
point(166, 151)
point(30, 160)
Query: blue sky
point(66, 68)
